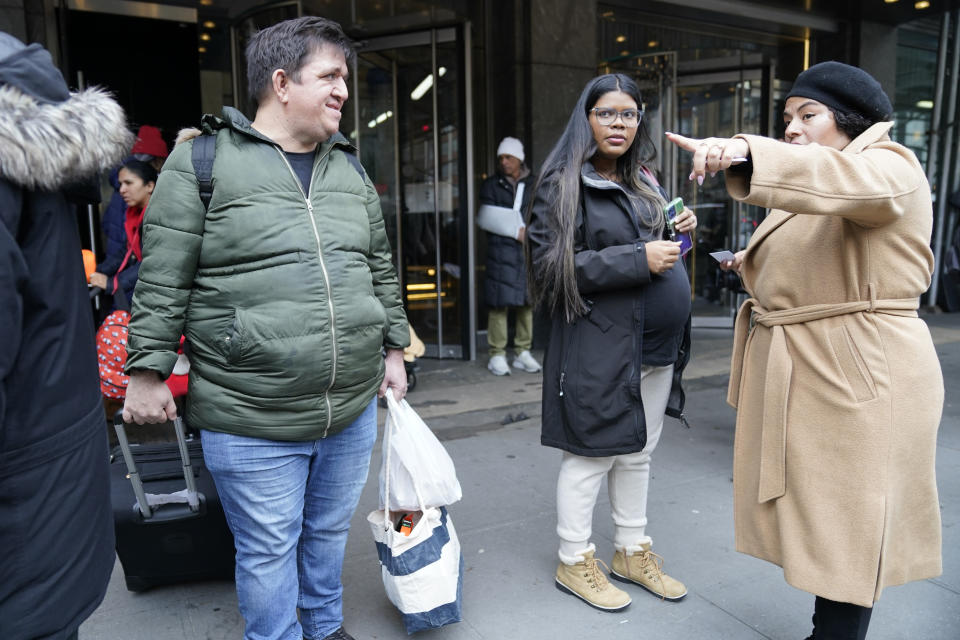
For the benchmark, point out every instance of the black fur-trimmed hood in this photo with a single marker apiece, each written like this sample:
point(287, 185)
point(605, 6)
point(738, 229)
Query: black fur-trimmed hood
point(51, 138)
point(47, 146)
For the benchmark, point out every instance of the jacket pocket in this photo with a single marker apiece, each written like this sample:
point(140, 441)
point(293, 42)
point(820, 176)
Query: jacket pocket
point(598, 363)
point(261, 340)
point(600, 320)
point(598, 413)
point(260, 264)
point(233, 340)
point(852, 365)
point(277, 353)
point(213, 336)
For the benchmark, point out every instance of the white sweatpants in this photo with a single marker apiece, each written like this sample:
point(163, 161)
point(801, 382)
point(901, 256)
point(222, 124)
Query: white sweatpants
point(628, 478)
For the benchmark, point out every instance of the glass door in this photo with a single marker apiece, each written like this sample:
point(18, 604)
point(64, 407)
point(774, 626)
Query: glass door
point(718, 104)
point(408, 121)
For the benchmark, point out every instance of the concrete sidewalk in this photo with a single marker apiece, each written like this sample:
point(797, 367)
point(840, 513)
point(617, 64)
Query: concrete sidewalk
point(506, 523)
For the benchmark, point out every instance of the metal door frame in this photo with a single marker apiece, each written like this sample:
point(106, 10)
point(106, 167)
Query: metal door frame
point(432, 37)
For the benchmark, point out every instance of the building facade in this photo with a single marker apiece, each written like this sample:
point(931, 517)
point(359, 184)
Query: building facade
point(438, 83)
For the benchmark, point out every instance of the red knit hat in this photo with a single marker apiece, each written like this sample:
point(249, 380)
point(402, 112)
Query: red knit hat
point(150, 141)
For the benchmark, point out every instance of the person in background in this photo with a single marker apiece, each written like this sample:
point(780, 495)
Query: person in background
point(287, 294)
point(117, 275)
point(620, 301)
point(505, 285)
point(836, 382)
point(56, 522)
point(150, 148)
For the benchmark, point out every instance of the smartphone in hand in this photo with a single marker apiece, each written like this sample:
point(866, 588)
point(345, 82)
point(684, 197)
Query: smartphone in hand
point(671, 211)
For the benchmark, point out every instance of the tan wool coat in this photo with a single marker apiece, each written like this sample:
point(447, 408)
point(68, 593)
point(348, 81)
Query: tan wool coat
point(838, 387)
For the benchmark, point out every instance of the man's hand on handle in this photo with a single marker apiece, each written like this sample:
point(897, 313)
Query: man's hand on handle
point(148, 400)
point(395, 375)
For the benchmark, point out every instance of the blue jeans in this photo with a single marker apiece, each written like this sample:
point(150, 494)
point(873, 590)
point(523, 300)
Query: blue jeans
point(289, 506)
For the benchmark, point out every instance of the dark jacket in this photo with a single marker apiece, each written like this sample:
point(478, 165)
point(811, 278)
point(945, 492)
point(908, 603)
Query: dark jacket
point(286, 298)
point(112, 219)
point(591, 369)
point(127, 277)
point(505, 284)
point(56, 525)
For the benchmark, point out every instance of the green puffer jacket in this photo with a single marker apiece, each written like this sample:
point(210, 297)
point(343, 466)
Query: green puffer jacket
point(285, 301)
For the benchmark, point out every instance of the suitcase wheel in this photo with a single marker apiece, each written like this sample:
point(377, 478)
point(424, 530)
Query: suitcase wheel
point(137, 584)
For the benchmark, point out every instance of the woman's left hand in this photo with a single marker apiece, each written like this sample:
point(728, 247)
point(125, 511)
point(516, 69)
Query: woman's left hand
point(685, 222)
point(712, 154)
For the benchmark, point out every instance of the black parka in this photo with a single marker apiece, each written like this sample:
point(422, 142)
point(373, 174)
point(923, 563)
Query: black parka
point(56, 524)
point(505, 284)
point(591, 368)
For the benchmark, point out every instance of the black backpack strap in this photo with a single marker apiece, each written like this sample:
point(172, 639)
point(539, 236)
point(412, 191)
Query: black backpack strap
point(355, 161)
point(203, 154)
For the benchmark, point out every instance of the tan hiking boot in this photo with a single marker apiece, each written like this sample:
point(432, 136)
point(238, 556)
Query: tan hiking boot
point(589, 582)
point(645, 568)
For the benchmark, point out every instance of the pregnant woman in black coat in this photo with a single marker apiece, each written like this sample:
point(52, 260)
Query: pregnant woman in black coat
point(620, 299)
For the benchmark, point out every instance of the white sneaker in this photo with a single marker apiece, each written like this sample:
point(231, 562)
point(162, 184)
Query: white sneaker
point(526, 362)
point(498, 366)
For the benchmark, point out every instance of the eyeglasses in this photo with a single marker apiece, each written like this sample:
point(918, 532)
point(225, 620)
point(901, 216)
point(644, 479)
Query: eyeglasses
point(630, 117)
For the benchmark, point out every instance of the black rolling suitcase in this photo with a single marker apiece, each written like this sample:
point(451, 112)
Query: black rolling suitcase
point(167, 534)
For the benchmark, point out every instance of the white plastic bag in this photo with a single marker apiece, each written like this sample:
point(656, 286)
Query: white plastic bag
point(418, 462)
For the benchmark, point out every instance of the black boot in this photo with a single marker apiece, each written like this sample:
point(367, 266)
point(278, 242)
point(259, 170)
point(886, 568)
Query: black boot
point(839, 620)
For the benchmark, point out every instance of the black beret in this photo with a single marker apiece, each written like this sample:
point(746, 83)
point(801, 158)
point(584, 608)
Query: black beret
point(847, 89)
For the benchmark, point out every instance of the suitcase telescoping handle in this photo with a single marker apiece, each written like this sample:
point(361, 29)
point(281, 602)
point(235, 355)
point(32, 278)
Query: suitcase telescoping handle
point(134, 475)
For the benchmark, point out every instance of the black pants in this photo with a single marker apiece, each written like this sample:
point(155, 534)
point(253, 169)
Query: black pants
point(839, 620)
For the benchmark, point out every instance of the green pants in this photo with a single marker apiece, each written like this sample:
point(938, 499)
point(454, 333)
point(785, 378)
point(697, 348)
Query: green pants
point(497, 330)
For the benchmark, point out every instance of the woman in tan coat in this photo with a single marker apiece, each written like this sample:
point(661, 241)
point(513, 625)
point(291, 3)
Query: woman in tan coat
point(838, 387)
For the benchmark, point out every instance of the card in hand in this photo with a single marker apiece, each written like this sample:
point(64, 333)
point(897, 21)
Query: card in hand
point(722, 256)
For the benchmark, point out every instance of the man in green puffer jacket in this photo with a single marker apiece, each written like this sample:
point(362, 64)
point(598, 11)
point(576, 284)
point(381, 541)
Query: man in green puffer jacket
point(286, 292)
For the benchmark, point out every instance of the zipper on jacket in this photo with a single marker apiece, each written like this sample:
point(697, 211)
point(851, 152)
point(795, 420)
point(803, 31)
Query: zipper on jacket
point(326, 278)
point(637, 368)
point(566, 354)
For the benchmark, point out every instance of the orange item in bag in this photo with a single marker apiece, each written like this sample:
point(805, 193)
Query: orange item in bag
point(89, 263)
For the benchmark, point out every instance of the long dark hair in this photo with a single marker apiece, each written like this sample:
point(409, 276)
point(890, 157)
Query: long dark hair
point(553, 278)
